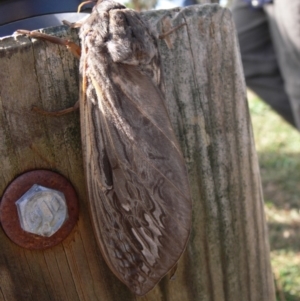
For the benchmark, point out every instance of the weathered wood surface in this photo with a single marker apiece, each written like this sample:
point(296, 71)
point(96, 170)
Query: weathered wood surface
point(228, 254)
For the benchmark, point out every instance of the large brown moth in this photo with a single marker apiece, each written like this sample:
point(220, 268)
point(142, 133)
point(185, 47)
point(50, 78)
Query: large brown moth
point(136, 177)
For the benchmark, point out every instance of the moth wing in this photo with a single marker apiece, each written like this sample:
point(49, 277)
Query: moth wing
point(136, 176)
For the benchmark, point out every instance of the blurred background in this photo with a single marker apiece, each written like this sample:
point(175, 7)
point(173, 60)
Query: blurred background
point(277, 142)
point(278, 145)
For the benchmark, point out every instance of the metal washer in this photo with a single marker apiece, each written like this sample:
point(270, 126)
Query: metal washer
point(9, 216)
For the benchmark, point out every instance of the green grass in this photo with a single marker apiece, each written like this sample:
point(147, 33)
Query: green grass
point(278, 147)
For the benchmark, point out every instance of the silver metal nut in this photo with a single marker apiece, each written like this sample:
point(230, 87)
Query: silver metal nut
point(42, 211)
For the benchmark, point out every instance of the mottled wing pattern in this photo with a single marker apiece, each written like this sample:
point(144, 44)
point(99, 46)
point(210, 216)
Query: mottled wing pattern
point(136, 175)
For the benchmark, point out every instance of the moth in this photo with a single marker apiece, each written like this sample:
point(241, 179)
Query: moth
point(137, 181)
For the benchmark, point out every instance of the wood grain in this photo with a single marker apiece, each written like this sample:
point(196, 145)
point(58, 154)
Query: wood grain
point(228, 254)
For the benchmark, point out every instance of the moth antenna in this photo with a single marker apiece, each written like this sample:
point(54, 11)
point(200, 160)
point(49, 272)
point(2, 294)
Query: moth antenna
point(72, 25)
point(84, 3)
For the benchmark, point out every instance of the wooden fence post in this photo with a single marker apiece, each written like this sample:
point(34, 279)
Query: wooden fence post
point(227, 257)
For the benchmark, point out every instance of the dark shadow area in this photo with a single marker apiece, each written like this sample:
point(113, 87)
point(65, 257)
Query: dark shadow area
point(280, 174)
point(284, 236)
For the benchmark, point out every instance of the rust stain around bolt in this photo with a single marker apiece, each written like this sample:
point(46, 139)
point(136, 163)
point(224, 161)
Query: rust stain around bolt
point(9, 215)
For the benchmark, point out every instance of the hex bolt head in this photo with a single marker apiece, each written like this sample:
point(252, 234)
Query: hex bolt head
point(39, 209)
point(42, 211)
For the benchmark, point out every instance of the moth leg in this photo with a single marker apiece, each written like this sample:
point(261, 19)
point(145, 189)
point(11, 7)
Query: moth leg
point(73, 47)
point(165, 34)
point(57, 113)
point(173, 271)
